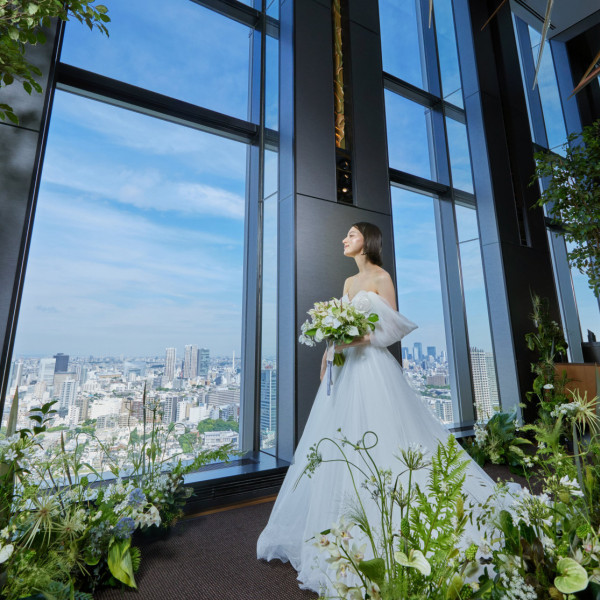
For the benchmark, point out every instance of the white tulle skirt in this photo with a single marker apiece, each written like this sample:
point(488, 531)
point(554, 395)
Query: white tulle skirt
point(370, 392)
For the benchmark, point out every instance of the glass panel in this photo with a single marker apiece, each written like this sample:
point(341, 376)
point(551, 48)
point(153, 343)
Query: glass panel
point(408, 136)
point(135, 273)
point(272, 84)
point(400, 41)
point(460, 157)
point(483, 368)
point(273, 8)
point(549, 95)
point(186, 51)
point(448, 52)
point(268, 373)
point(587, 303)
point(424, 355)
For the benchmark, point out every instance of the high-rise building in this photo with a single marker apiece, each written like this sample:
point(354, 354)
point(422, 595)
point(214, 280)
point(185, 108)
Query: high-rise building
point(170, 409)
point(68, 394)
point(492, 380)
point(405, 353)
point(418, 350)
point(170, 361)
point(431, 351)
point(268, 400)
point(17, 374)
point(481, 385)
point(190, 362)
point(62, 363)
point(46, 372)
point(203, 362)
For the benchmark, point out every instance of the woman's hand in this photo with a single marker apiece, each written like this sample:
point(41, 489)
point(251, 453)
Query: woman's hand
point(361, 341)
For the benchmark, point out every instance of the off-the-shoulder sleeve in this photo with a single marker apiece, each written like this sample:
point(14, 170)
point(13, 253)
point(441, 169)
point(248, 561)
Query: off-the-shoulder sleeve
point(391, 327)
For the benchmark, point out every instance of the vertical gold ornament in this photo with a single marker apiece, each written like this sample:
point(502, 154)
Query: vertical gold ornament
point(338, 63)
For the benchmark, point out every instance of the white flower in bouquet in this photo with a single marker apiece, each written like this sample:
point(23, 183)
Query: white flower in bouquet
point(338, 322)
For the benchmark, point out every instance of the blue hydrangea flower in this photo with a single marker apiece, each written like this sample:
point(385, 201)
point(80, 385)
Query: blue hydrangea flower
point(124, 528)
point(136, 498)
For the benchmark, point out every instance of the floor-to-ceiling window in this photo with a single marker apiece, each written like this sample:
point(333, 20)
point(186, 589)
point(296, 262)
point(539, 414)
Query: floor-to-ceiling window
point(438, 255)
point(548, 122)
point(161, 150)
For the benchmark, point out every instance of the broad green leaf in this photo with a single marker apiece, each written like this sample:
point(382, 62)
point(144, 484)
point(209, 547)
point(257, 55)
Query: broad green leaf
point(454, 588)
point(374, 569)
point(119, 562)
point(571, 578)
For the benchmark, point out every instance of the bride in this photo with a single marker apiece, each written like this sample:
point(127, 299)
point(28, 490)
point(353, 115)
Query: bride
point(369, 392)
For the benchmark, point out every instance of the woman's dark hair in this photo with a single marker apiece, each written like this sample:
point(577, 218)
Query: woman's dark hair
point(372, 247)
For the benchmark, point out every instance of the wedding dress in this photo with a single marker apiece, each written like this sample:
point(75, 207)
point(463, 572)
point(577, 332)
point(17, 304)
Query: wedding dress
point(369, 392)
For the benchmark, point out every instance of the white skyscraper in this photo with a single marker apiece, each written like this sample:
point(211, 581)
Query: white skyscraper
point(170, 360)
point(190, 362)
point(17, 374)
point(46, 372)
point(68, 394)
point(481, 384)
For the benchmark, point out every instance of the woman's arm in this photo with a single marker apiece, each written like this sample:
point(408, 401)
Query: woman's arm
point(385, 288)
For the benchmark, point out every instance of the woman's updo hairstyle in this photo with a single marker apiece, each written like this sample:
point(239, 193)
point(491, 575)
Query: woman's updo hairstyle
point(372, 246)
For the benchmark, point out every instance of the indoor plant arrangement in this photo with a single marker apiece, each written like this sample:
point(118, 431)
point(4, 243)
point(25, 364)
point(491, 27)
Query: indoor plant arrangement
point(64, 528)
point(572, 197)
point(544, 546)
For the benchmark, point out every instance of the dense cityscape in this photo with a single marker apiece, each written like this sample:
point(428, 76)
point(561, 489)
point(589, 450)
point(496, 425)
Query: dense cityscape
point(198, 393)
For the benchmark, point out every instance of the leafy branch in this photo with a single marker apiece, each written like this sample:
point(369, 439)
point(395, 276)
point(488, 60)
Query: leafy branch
point(22, 23)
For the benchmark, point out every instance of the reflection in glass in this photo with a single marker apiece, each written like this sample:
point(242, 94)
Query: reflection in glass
point(268, 373)
point(483, 368)
point(448, 52)
point(587, 303)
point(272, 84)
point(424, 355)
point(549, 95)
point(408, 136)
point(135, 273)
point(185, 51)
point(460, 157)
point(400, 41)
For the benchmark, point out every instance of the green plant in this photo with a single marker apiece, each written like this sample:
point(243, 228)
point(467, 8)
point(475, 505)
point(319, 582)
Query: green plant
point(67, 530)
point(22, 23)
point(415, 536)
point(496, 441)
point(572, 197)
point(548, 343)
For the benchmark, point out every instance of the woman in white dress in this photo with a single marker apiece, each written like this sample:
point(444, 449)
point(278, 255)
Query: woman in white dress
point(370, 393)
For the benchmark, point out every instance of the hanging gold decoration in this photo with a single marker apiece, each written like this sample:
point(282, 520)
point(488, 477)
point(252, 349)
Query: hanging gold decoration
point(338, 63)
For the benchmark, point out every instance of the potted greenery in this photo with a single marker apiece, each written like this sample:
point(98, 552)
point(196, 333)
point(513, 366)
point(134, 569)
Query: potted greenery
point(572, 200)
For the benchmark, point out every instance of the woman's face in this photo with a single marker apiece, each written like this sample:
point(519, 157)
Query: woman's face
point(353, 242)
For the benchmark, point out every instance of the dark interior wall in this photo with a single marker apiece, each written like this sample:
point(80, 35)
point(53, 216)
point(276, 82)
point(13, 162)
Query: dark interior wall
point(21, 149)
point(582, 50)
point(309, 211)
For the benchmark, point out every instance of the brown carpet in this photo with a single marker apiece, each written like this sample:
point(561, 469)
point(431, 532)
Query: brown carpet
point(213, 557)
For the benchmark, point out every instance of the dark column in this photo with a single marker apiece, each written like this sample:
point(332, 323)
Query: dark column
point(312, 223)
point(21, 148)
point(515, 250)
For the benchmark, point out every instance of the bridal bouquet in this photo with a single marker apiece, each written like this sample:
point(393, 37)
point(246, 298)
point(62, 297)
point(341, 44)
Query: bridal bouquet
point(337, 322)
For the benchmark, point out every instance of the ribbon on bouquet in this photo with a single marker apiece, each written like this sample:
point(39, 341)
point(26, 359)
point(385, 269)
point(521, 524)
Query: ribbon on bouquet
point(330, 357)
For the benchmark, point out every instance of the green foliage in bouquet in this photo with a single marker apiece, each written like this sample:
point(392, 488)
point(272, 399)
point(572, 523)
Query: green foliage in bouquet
point(336, 322)
point(497, 442)
point(414, 543)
